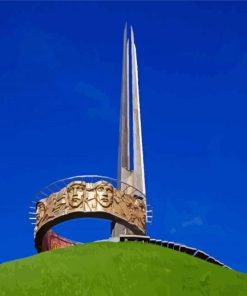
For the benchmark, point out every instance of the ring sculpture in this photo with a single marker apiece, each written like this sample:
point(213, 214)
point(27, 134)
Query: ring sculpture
point(85, 199)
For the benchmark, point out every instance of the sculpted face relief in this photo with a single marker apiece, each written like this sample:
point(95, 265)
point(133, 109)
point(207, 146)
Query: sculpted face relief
point(75, 192)
point(139, 212)
point(104, 194)
point(143, 213)
point(40, 211)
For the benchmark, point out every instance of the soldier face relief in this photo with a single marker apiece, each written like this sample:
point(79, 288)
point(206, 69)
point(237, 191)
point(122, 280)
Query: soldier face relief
point(143, 214)
point(75, 194)
point(40, 211)
point(104, 194)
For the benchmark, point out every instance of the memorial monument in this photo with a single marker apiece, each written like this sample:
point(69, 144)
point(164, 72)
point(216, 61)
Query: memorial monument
point(121, 200)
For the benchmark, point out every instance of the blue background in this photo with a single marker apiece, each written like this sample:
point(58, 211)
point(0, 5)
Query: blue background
point(60, 74)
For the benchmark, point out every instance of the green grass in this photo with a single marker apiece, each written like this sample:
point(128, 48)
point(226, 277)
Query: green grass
point(118, 269)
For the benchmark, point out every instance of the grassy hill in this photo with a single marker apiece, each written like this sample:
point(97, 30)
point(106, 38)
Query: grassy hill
point(118, 269)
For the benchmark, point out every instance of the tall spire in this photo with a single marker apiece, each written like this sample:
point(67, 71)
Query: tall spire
point(133, 177)
point(124, 150)
point(139, 179)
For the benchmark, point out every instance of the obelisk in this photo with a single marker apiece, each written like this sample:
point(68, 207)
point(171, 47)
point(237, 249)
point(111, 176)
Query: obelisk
point(134, 177)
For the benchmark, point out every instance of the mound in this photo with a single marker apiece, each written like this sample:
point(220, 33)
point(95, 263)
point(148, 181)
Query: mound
point(118, 269)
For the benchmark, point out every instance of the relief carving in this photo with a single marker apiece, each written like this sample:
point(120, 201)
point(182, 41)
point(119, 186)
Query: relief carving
point(40, 211)
point(50, 202)
point(76, 193)
point(104, 194)
point(79, 196)
point(59, 202)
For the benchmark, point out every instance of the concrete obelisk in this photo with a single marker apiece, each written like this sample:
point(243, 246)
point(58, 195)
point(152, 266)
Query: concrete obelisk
point(134, 177)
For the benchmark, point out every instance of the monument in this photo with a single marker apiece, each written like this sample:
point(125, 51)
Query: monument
point(121, 200)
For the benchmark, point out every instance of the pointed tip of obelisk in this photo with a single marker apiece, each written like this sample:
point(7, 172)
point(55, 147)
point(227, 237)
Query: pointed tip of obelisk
point(126, 27)
point(125, 31)
point(132, 34)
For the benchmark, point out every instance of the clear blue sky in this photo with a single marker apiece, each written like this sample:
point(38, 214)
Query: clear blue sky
point(60, 73)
